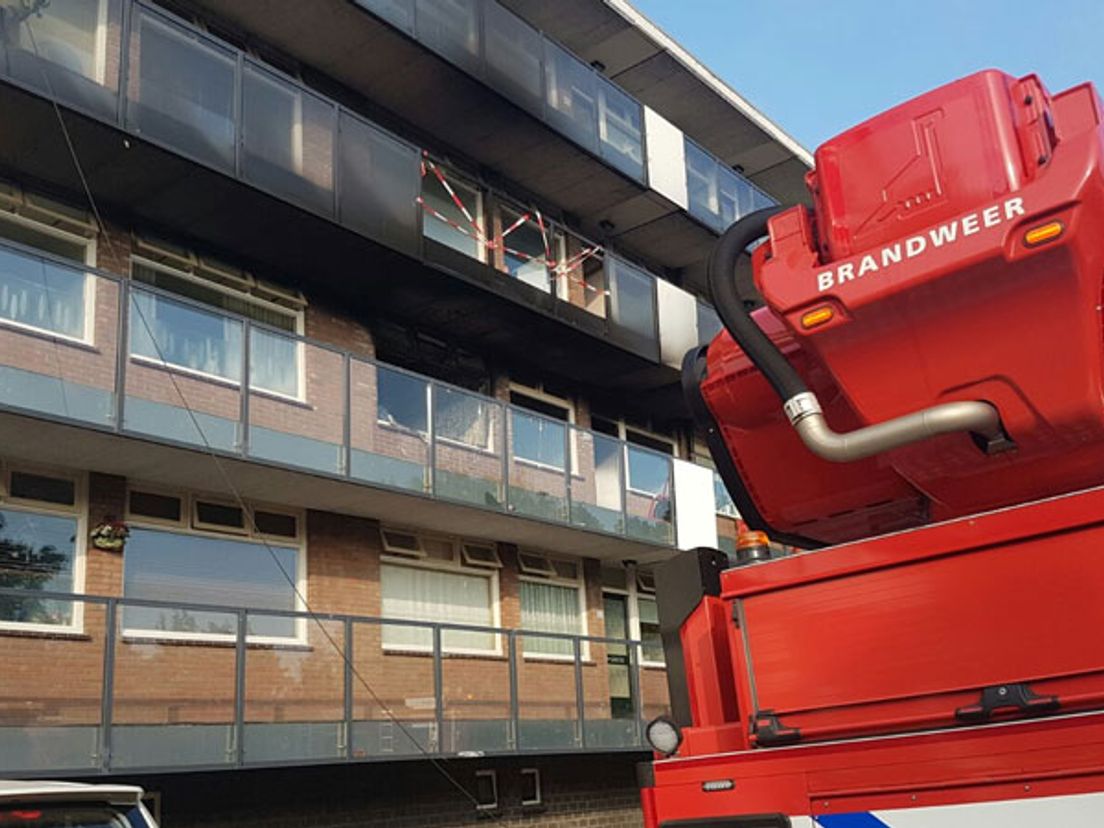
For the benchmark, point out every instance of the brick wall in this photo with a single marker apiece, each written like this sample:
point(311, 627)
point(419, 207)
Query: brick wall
point(577, 792)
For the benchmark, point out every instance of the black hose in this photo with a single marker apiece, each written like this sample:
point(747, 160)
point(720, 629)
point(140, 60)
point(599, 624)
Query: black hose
point(736, 318)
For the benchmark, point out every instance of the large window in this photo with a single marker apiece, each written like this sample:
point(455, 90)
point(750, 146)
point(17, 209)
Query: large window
point(551, 602)
point(437, 579)
point(204, 551)
point(636, 590)
point(42, 295)
point(41, 549)
point(184, 335)
point(540, 437)
point(527, 247)
point(453, 211)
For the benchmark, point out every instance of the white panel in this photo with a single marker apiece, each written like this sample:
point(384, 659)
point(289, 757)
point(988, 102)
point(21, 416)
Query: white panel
point(678, 322)
point(666, 157)
point(695, 521)
point(1082, 811)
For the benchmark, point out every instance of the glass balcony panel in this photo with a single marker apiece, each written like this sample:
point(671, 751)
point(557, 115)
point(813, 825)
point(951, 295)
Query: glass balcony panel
point(580, 275)
point(288, 140)
point(538, 485)
point(453, 212)
point(654, 698)
point(547, 708)
point(701, 185)
point(399, 717)
point(181, 90)
point(649, 497)
point(379, 185)
point(513, 57)
point(188, 721)
point(597, 491)
point(608, 694)
point(723, 499)
point(468, 451)
point(296, 403)
point(450, 28)
point(621, 129)
point(43, 307)
point(759, 199)
point(390, 427)
point(735, 193)
point(709, 324)
point(400, 13)
point(52, 688)
point(571, 92)
point(476, 704)
point(632, 303)
point(295, 698)
point(69, 48)
point(526, 250)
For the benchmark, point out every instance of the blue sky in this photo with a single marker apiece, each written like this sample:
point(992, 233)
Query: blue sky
point(816, 67)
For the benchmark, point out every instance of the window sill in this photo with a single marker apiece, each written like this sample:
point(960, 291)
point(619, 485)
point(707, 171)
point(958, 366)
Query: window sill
point(223, 642)
point(277, 396)
point(460, 444)
point(399, 428)
point(427, 652)
point(215, 379)
point(548, 658)
point(49, 336)
point(656, 666)
point(43, 631)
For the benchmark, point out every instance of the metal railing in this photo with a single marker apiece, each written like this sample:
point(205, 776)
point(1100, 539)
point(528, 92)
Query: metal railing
point(78, 344)
point(129, 685)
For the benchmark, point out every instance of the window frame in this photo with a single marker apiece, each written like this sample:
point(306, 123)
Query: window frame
point(79, 511)
point(185, 526)
point(88, 335)
point(455, 566)
point(535, 773)
point(297, 315)
point(633, 593)
point(568, 405)
point(578, 583)
point(493, 776)
point(458, 181)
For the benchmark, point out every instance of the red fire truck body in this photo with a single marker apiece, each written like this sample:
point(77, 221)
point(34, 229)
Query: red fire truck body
point(936, 656)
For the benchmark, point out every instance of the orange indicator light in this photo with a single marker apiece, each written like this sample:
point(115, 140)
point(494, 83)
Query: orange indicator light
point(1043, 233)
point(815, 318)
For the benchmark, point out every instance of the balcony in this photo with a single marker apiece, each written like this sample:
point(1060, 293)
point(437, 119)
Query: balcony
point(135, 689)
point(239, 157)
point(84, 348)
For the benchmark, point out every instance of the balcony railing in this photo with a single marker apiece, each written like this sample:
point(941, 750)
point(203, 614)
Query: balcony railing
point(133, 687)
point(149, 73)
point(87, 346)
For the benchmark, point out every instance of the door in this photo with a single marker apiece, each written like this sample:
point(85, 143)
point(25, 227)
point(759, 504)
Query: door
point(616, 609)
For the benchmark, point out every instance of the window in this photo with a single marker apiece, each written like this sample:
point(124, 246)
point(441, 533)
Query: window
point(71, 34)
point(453, 211)
point(551, 602)
point(447, 594)
point(632, 300)
point(477, 554)
point(190, 337)
point(540, 437)
point(701, 184)
point(651, 642)
point(527, 248)
point(41, 549)
point(462, 417)
point(638, 589)
point(530, 786)
point(39, 294)
point(570, 92)
point(216, 559)
point(649, 466)
point(486, 790)
point(620, 129)
point(403, 543)
point(401, 400)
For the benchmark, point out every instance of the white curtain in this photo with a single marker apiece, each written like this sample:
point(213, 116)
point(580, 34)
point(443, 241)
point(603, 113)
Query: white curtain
point(549, 608)
point(419, 594)
point(650, 638)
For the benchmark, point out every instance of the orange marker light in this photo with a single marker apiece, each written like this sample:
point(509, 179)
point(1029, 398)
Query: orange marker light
point(1043, 233)
point(817, 317)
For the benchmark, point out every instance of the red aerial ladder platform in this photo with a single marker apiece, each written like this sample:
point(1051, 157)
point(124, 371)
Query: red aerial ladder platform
point(918, 403)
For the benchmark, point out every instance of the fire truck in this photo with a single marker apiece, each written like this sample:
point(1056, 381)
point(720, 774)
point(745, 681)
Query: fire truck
point(913, 396)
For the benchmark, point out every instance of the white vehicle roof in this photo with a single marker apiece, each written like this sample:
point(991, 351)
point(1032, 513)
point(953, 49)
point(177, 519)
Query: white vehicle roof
point(31, 791)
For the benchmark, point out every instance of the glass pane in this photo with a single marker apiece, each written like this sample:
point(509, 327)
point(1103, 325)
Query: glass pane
point(649, 496)
point(538, 485)
point(571, 89)
point(42, 295)
point(608, 698)
point(306, 428)
point(468, 452)
point(188, 721)
point(398, 12)
point(78, 41)
point(390, 425)
point(453, 212)
point(450, 28)
point(419, 594)
point(654, 698)
point(701, 185)
point(650, 638)
point(596, 488)
point(288, 140)
point(184, 336)
point(620, 128)
point(632, 303)
point(177, 567)
point(580, 275)
point(547, 707)
point(709, 324)
point(549, 608)
point(513, 57)
point(274, 362)
point(36, 555)
point(526, 250)
point(723, 499)
point(181, 90)
point(294, 698)
point(735, 195)
point(51, 693)
point(476, 705)
point(379, 184)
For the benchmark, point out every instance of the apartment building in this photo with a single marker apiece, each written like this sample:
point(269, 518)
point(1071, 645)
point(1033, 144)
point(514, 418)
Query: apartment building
point(340, 422)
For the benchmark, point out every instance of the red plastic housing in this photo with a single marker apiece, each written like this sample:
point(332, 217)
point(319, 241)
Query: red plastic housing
point(916, 245)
